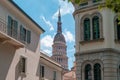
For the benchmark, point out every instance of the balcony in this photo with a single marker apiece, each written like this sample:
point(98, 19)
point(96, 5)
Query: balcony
point(9, 37)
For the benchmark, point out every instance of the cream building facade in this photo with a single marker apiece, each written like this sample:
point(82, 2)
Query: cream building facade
point(49, 69)
point(97, 42)
point(71, 74)
point(19, 44)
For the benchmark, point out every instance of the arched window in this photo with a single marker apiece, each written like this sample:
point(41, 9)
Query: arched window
point(95, 28)
point(119, 72)
point(97, 71)
point(87, 29)
point(88, 74)
point(118, 29)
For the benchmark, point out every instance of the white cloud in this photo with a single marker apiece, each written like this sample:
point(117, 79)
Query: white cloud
point(69, 36)
point(66, 8)
point(48, 52)
point(48, 23)
point(47, 41)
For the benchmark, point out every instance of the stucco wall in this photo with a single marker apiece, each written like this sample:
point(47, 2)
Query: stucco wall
point(10, 55)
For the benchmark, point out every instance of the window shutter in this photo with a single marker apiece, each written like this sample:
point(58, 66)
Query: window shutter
point(42, 72)
point(28, 36)
point(87, 29)
point(9, 26)
point(96, 32)
point(21, 36)
point(15, 29)
point(118, 29)
point(54, 75)
point(22, 65)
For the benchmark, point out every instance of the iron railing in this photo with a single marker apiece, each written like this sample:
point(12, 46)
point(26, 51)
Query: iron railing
point(10, 32)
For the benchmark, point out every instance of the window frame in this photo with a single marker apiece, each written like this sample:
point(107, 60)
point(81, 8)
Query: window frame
point(42, 71)
point(12, 27)
point(96, 73)
point(95, 29)
point(117, 37)
point(23, 66)
point(24, 36)
point(90, 16)
point(54, 75)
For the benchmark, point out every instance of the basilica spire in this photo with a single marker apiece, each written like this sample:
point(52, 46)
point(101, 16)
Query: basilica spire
point(59, 28)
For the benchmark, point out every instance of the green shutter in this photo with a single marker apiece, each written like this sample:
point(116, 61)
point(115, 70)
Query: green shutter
point(15, 29)
point(28, 36)
point(96, 32)
point(9, 26)
point(87, 29)
point(54, 75)
point(21, 35)
point(118, 29)
point(97, 71)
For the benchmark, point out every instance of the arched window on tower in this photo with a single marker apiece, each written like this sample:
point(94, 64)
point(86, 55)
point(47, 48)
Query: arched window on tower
point(97, 71)
point(95, 28)
point(86, 29)
point(117, 29)
point(119, 72)
point(88, 72)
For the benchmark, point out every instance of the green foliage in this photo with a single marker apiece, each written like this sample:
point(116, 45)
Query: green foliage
point(114, 5)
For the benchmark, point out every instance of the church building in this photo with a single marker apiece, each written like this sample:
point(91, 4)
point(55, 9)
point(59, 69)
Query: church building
point(97, 39)
point(59, 48)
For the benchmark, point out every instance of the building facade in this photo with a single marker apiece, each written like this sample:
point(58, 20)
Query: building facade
point(59, 48)
point(97, 42)
point(71, 74)
point(49, 69)
point(19, 43)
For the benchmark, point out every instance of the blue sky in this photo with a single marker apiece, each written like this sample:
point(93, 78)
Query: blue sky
point(45, 13)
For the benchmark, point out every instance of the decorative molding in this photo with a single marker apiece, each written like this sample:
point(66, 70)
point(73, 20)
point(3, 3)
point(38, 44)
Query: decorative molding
point(110, 50)
point(91, 41)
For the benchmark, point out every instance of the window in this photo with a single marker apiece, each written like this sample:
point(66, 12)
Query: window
point(91, 28)
point(54, 75)
point(88, 74)
point(42, 71)
point(87, 29)
point(95, 24)
point(119, 72)
point(118, 29)
point(22, 65)
point(97, 71)
point(28, 36)
point(12, 27)
point(25, 35)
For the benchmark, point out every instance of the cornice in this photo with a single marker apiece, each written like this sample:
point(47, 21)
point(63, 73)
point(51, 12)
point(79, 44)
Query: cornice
point(97, 51)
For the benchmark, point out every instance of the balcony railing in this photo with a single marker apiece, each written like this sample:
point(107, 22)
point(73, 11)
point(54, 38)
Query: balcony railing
point(10, 34)
point(3, 26)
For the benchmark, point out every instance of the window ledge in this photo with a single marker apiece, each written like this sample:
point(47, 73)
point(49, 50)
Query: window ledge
point(117, 41)
point(91, 41)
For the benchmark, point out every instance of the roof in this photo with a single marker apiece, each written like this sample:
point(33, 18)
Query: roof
point(11, 1)
point(47, 58)
point(59, 37)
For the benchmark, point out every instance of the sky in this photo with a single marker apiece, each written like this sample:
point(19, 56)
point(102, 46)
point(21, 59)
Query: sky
point(45, 13)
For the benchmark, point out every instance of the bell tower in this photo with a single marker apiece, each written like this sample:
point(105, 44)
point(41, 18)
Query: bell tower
point(97, 39)
point(59, 48)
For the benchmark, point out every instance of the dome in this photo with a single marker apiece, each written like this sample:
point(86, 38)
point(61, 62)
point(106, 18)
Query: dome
point(59, 37)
